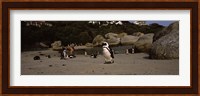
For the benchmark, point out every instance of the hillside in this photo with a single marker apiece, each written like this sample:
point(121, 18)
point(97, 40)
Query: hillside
point(77, 32)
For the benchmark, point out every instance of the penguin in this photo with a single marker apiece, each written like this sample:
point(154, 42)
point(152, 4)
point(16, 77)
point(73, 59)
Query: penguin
point(63, 53)
point(107, 53)
point(93, 55)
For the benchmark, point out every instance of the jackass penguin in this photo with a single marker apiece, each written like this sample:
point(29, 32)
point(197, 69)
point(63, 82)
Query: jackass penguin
point(107, 53)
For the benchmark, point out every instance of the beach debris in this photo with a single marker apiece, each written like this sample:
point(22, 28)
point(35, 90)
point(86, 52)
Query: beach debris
point(50, 65)
point(36, 58)
point(40, 61)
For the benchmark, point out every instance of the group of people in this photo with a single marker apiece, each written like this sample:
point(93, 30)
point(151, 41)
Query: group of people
point(67, 52)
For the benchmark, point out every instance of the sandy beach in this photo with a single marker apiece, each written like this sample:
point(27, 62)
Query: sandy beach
point(125, 64)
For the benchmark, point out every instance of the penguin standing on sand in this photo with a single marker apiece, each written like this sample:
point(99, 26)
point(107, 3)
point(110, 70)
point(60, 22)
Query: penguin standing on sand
point(107, 53)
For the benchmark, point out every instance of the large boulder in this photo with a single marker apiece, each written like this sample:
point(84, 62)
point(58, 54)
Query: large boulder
point(167, 46)
point(57, 45)
point(89, 45)
point(171, 28)
point(111, 35)
point(98, 40)
point(113, 41)
point(120, 35)
point(112, 38)
point(128, 40)
point(144, 43)
point(139, 34)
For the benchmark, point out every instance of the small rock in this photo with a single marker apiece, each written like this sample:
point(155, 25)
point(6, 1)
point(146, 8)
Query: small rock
point(36, 58)
point(63, 65)
point(42, 54)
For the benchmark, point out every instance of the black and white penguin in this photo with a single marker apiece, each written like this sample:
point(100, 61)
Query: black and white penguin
point(108, 53)
point(93, 55)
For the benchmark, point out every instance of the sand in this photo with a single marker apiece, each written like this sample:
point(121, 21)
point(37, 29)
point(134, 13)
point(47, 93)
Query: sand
point(131, 64)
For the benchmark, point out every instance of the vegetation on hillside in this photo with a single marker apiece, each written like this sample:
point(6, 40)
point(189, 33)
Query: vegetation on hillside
point(78, 32)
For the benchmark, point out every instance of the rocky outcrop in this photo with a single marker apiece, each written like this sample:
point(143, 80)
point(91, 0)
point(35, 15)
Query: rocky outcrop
point(166, 45)
point(129, 39)
point(57, 45)
point(98, 40)
point(43, 45)
point(120, 35)
point(113, 41)
point(144, 43)
point(112, 38)
point(111, 35)
point(139, 34)
point(89, 45)
point(170, 29)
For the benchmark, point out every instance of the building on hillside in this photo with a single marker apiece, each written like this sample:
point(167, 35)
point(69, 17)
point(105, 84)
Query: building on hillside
point(140, 23)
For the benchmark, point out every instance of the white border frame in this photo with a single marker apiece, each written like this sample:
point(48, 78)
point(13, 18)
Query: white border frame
point(16, 79)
